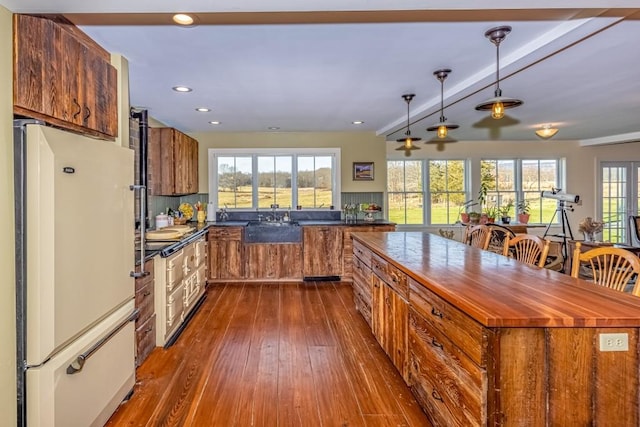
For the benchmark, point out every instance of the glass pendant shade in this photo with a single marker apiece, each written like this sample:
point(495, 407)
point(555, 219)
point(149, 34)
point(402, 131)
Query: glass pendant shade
point(546, 132)
point(408, 140)
point(498, 104)
point(442, 128)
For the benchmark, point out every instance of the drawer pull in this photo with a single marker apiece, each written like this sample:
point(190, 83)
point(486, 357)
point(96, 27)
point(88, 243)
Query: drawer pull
point(149, 329)
point(146, 294)
point(436, 313)
point(436, 396)
point(436, 343)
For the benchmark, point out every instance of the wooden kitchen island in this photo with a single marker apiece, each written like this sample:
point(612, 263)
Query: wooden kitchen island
point(482, 339)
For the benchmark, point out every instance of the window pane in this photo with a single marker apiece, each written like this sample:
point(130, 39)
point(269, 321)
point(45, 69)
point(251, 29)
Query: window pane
point(395, 176)
point(405, 197)
point(315, 181)
point(539, 175)
point(274, 181)
point(614, 203)
point(234, 182)
point(446, 188)
point(499, 178)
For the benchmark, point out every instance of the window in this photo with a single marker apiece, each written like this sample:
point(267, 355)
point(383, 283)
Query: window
point(405, 195)
point(619, 198)
point(250, 179)
point(517, 180)
point(446, 191)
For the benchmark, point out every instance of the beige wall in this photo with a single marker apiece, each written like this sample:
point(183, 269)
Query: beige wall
point(581, 163)
point(355, 147)
point(7, 258)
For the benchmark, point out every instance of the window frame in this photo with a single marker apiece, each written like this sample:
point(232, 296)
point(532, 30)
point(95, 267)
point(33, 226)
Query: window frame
point(254, 153)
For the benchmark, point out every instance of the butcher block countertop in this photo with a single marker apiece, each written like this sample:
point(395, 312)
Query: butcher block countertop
point(498, 291)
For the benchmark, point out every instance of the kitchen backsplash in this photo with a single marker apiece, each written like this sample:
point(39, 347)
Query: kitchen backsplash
point(160, 204)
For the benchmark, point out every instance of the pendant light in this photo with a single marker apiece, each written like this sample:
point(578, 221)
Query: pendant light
point(408, 140)
point(498, 104)
point(442, 127)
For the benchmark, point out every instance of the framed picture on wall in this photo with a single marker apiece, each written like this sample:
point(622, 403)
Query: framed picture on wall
point(363, 171)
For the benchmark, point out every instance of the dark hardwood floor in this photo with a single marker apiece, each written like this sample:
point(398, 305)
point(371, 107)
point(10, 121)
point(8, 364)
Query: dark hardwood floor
point(295, 354)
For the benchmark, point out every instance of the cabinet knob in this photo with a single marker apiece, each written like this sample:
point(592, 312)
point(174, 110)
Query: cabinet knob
point(436, 343)
point(436, 313)
point(436, 396)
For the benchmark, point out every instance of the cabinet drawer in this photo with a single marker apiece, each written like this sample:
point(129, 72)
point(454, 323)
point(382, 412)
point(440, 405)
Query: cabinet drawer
point(362, 253)
point(145, 339)
point(463, 331)
point(363, 307)
point(395, 278)
point(141, 282)
point(362, 289)
point(190, 264)
point(145, 303)
point(450, 386)
point(360, 269)
point(225, 233)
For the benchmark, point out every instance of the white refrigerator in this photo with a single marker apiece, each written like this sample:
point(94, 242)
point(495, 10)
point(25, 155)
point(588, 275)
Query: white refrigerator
point(74, 289)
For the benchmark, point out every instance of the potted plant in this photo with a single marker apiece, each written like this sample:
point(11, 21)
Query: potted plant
point(474, 217)
point(523, 211)
point(505, 211)
point(462, 212)
point(491, 212)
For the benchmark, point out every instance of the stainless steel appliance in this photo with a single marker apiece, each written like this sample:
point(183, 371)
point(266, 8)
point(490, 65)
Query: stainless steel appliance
point(74, 290)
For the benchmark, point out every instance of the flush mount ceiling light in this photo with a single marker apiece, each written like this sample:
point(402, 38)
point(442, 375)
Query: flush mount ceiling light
point(182, 89)
point(214, 123)
point(546, 132)
point(357, 122)
point(203, 109)
point(498, 104)
point(408, 140)
point(182, 19)
point(442, 127)
point(273, 128)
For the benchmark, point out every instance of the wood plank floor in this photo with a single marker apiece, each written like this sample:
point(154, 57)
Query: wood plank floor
point(294, 354)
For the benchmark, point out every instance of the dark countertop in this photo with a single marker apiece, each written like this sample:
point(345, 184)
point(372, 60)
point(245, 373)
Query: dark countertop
point(306, 222)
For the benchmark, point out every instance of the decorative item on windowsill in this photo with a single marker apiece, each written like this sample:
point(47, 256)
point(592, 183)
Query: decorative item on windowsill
point(505, 211)
point(462, 212)
point(590, 228)
point(523, 211)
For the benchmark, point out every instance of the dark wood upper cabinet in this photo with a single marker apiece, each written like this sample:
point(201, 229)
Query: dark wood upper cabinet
point(63, 77)
point(173, 162)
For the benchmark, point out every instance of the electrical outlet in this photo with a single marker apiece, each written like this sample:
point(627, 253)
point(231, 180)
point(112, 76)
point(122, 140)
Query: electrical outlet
point(614, 342)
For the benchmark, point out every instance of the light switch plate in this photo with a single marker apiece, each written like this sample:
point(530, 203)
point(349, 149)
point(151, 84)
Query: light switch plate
point(614, 342)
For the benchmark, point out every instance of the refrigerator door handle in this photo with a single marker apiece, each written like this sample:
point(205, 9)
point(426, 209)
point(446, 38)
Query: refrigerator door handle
point(77, 365)
point(143, 215)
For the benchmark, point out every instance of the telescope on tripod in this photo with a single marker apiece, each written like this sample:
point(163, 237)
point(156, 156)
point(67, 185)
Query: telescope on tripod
point(561, 211)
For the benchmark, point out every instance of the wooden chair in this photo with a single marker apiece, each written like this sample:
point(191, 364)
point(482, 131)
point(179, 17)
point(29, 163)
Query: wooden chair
point(478, 236)
point(611, 267)
point(499, 234)
point(634, 230)
point(527, 248)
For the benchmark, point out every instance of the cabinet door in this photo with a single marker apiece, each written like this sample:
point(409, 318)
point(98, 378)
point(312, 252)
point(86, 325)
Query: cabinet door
point(61, 79)
point(99, 93)
point(378, 309)
point(173, 162)
point(226, 259)
point(322, 251)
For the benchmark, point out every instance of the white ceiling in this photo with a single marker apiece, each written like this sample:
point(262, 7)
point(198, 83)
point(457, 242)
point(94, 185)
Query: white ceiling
point(321, 65)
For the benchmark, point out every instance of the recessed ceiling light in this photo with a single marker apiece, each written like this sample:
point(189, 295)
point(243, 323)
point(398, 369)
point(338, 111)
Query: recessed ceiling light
point(182, 19)
point(214, 122)
point(182, 89)
point(357, 122)
point(203, 109)
point(273, 128)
